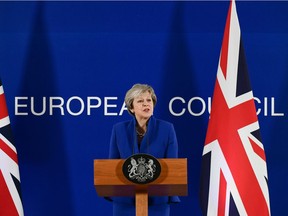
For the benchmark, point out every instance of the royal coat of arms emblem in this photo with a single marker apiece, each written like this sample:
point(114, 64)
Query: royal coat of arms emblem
point(141, 168)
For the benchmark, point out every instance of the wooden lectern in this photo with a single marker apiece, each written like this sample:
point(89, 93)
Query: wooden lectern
point(110, 181)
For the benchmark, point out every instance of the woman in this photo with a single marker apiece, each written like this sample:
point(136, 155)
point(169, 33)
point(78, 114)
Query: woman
point(143, 134)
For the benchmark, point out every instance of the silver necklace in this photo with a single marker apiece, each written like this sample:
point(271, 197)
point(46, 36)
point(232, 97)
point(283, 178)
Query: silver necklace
point(140, 134)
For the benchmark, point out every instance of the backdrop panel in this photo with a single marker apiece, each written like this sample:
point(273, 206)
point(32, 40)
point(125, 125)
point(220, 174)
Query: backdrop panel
point(66, 66)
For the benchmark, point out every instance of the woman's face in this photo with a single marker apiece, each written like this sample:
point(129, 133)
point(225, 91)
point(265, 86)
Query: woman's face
point(143, 106)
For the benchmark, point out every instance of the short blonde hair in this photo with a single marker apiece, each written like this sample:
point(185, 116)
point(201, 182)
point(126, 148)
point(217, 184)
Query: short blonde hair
point(136, 91)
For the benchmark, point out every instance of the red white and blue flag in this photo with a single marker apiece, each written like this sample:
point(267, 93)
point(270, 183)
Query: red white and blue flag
point(234, 174)
point(10, 199)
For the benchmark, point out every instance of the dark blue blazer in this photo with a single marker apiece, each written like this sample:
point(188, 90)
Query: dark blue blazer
point(160, 141)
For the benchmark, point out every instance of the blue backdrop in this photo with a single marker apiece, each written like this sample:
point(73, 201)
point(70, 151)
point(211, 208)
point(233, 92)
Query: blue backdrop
point(65, 67)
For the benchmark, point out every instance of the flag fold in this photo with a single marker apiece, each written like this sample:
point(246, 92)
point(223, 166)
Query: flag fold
point(234, 177)
point(10, 198)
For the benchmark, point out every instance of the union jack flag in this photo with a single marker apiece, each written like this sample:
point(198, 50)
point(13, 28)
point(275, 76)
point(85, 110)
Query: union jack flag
point(234, 177)
point(10, 199)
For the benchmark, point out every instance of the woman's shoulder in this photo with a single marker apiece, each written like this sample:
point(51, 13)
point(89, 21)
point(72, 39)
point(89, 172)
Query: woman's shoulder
point(123, 124)
point(163, 122)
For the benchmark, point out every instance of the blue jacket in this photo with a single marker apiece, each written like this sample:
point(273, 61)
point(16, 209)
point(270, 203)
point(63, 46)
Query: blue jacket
point(160, 141)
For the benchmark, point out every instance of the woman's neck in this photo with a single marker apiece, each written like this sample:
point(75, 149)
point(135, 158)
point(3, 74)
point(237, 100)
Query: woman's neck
point(142, 124)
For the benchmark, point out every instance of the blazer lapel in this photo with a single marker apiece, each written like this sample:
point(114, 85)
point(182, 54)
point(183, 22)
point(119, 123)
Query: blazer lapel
point(132, 137)
point(145, 144)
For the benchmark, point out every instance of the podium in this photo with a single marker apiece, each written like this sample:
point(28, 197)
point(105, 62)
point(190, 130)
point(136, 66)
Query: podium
point(110, 181)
